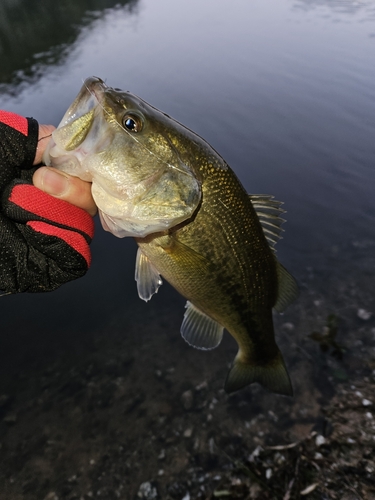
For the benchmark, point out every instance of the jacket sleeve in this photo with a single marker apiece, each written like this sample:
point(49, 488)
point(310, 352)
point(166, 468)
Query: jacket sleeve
point(44, 241)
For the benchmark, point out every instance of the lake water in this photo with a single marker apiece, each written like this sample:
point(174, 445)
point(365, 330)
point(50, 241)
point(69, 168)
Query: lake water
point(283, 89)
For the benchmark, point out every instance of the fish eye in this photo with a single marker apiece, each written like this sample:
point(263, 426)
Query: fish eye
point(132, 122)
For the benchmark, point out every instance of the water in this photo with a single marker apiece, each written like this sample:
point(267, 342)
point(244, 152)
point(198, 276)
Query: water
point(283, 89)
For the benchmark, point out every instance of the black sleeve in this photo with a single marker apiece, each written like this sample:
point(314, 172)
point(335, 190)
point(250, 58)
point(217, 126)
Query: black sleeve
point(44, 241)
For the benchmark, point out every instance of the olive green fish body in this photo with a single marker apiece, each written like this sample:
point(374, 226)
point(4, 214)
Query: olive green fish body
point(195, 225)
point(222, 263)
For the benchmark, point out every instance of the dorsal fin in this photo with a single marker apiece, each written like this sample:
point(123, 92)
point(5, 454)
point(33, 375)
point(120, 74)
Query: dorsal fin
point(269, 211)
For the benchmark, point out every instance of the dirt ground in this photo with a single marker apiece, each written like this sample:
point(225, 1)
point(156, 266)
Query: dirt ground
point(132, 412)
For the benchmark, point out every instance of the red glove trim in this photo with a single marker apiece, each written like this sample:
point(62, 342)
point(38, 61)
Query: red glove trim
point(58, 211)
point(73, 239)
point(15, 121)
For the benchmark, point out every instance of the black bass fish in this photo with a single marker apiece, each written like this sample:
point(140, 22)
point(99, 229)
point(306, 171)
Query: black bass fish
point(195, 225)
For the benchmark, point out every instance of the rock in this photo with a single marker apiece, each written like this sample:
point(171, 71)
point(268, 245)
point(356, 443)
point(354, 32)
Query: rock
point(363, 314)
point(188, 432)
point(288, 327)
point(147, 491)
point(187, 399)
point(319, 440)
point(366, 402)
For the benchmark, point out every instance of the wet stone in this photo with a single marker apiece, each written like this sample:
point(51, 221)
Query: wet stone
point(148, 491)
point(366, 402)
point(187, 399)
point(363, 314)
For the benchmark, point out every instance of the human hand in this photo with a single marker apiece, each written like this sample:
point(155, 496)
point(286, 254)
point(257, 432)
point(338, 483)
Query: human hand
point(44, 240)
point(57, 183)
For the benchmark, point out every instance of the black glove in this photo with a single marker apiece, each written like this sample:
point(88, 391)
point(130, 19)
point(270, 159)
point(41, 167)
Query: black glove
point(44, 241)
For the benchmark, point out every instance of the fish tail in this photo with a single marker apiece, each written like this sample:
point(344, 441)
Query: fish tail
point(272, 375)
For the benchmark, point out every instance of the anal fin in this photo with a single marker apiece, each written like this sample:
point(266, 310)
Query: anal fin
point(147, 277)
point(199, 330)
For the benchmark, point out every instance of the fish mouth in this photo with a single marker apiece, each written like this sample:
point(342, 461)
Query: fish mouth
point(95, 86)
point(89, 97)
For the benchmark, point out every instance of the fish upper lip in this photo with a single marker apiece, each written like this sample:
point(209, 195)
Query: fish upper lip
point(95, 86)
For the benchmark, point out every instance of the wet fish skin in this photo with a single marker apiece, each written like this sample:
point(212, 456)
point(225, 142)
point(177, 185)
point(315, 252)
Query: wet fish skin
point(216, 252)
point(222, 263)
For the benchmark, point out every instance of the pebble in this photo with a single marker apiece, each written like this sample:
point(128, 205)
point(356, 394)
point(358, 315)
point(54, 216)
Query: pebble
point(309, 489)
point(363, 314)
point(211, 445)
point(366, 402)
point(289, 327)
point(268, 473)
point(369, 415)
point(201, 386)
point(188, 433)
point(187, 399)
point(319, 440)
point(255, 453)
point(147, 491)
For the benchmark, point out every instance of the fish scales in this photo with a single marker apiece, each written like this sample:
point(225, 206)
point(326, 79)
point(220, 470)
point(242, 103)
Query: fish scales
point(235, 292)
point(195, 225)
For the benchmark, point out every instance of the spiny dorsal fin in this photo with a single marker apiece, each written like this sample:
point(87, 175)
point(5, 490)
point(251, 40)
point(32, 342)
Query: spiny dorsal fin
point(269, 211)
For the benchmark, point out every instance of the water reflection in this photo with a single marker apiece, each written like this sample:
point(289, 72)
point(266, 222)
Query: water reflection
point(35, 35)
point(338, 6)
point(286, 95)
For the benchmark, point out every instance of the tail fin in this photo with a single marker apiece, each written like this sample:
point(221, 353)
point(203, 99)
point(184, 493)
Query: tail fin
point(273, 376)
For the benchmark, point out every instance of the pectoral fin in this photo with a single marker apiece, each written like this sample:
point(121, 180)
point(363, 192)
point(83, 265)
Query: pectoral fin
point(147, 277)
point(199, 330)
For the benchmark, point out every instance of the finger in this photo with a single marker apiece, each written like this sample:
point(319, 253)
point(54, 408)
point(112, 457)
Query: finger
point(66, 187)
point(44, 136)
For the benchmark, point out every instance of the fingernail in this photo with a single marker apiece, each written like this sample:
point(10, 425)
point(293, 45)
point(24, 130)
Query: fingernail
point(53, 182)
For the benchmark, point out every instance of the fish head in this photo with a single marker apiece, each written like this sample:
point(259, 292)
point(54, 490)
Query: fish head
point(130, 152)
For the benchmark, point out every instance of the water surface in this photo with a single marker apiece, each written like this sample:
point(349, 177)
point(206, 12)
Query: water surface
point(282, 89)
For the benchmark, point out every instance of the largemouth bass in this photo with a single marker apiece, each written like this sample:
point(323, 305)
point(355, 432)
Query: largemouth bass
point(195, 225)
